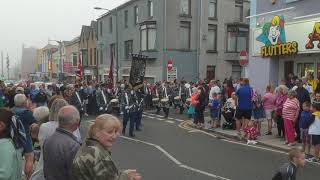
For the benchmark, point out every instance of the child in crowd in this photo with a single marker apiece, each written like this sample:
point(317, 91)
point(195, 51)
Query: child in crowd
point(304, 117)
point(314, 130)
point(214, 105)
point(289, 170)
point(250, 133)
point(258, 112)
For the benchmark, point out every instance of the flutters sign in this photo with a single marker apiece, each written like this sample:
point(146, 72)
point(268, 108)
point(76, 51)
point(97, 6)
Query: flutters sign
point(273, 37)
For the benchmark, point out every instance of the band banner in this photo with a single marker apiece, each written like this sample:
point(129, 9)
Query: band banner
point(137, 71)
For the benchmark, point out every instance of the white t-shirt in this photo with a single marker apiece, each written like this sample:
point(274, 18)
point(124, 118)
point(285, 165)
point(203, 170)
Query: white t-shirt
point(214, 89)
point(314, 128)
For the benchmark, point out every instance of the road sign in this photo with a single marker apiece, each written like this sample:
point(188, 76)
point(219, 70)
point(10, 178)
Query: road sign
point(243, 61)
point(173, 74)
point(170, 64)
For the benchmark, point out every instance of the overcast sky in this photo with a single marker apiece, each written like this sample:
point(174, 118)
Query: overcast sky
point(33, 22)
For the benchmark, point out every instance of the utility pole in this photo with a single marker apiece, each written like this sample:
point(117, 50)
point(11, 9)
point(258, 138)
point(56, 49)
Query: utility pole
point(8, 65)
point(2, 64)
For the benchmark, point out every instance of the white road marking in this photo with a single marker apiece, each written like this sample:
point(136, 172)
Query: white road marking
point(177, 162)
point(169, 121)
point(151, 117)
point(179, 120)
point(159, 116)
point(144, 115)
point(160, 119)
point(171, 118)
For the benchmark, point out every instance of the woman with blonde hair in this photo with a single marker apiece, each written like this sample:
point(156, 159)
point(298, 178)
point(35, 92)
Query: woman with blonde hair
point(93, 160)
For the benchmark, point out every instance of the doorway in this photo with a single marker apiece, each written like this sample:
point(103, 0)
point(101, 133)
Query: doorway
point(288, 68)
point(211, 73)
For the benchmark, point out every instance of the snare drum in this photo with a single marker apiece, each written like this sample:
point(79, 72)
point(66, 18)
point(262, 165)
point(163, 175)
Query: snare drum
point(114, 102)
point(177, 100)
point(155, 100)
point(164, 102)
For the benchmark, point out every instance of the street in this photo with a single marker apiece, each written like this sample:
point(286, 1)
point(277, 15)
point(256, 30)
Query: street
point(167, 149)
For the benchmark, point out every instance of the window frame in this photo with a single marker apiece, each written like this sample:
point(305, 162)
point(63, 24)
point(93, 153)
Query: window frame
point(150, 9)
point(74, 55)
point(148, 26)
point(239, 3)
point(213, 27)
point(126, 18)
point(136, 15)
point(186, 24)
point(237, 27)
point(101, 28)
point(215, 11)
point(127, 44)
point(183, 14)
point(110, 24)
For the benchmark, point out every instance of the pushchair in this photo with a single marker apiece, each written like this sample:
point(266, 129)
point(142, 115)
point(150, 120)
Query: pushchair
point(228, 114)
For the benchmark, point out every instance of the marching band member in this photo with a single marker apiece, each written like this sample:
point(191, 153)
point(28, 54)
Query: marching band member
point(164, 99)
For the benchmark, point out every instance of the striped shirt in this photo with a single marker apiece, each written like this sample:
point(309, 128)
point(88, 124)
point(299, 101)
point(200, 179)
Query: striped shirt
point(290, 108)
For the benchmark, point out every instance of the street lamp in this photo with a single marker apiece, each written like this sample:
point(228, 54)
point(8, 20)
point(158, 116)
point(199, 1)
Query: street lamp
point(117, 40)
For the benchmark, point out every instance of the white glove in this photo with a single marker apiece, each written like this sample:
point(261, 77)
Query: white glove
point(100, 108)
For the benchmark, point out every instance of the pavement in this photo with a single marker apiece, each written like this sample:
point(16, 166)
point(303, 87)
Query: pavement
point(172, 149)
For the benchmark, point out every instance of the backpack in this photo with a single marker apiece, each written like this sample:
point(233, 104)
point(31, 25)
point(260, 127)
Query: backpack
point(17, 132)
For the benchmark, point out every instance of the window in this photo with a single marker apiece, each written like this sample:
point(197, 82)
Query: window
point(85, 57)
point(185, 7)
point(150, 8)
point(126, 18)
point(305, 68)
point(101, 28)
point(74, 59)
point(211, 72)
point(236, 71)
point(212, 37)
point(237, 38)
point(148, 37)
point(95, 56)
point(101, 57)
point(110, 25)
point(213, 9)
point(239, 10)
point(128, 49)
point(136, 15)
point(185, 35)
point(91, 57)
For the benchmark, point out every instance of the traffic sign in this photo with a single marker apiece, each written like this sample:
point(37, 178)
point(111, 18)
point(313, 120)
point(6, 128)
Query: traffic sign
point(170, 64)
point(173, 74)
point(243, 61)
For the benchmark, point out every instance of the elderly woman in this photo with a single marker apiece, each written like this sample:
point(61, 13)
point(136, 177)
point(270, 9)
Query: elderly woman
point(290, 115)
point(93, 160)
point(11, 158)
point(41, 115)
point(281, 98)
point(45, 131)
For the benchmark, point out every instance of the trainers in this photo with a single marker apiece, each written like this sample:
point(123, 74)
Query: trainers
point(291, 144)
point(269, 133)
point(254, 142)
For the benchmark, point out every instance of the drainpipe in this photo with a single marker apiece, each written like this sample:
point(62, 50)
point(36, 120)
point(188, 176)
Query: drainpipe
point(199, 40)
point(164, 40)
point(117, 44)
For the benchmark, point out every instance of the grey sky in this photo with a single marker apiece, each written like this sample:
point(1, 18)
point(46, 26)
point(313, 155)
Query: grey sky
point(32, 22)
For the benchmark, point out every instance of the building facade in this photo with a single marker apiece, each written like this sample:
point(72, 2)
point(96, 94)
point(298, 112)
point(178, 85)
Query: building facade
point(88, 52)
point(202, 38)
point(72, 56)
point(283, 40)
point(28, 61)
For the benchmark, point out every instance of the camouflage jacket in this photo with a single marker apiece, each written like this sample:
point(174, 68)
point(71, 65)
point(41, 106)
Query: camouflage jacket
point(93, 162)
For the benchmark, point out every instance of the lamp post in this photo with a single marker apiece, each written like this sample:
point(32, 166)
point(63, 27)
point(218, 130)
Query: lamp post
point(117, 40)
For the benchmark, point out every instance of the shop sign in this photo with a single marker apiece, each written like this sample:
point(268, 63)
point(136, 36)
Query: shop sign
point(273, 37)
point(277, 38)
point(314, 36)
point(87, 72)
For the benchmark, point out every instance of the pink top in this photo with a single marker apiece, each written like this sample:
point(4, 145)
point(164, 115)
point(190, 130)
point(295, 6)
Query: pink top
point(290, 108)
point(269, 101)
point(281, 99)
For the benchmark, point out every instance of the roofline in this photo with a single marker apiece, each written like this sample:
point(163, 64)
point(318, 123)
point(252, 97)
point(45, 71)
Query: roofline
point(116, 9)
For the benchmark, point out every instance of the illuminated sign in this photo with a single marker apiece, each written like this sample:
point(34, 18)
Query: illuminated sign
point(274, 38)
point(49, 65)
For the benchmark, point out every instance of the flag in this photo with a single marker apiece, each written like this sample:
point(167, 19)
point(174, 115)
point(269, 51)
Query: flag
point(110, 85)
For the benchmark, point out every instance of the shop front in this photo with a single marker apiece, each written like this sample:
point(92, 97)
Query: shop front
point(280, 48)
